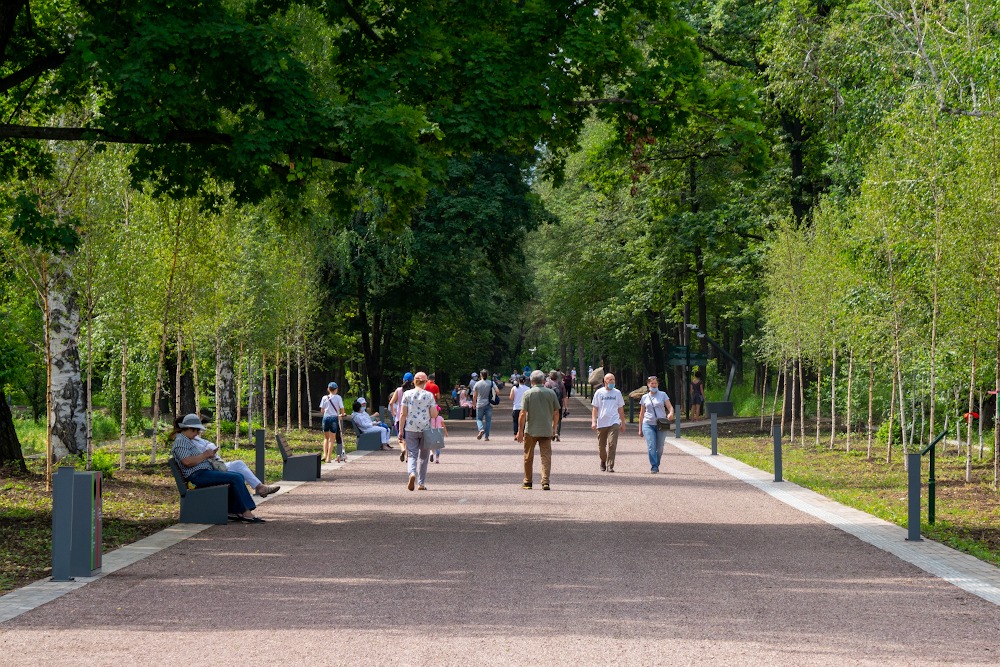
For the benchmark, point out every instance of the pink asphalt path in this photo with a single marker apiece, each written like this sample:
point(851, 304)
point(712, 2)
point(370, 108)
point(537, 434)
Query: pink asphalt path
point(685, 567)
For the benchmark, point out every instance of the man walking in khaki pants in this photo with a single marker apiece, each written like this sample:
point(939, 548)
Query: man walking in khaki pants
point(607, 417)
point(537, 423)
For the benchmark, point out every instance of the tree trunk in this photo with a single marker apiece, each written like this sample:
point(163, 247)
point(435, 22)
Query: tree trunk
point(263, 391)
point(784, 395)
point(802, 403)
point(10, 446)
point(123, 426)
point(309, 397)
point(833, 398)
point(288, 387)
point(163, 338)
point(778, 379)
point(902, 416)
point(177, 376)
point(218, 383)
point(819, 395)
point(850, 391)
point(277, 381)
point(980, 411)
point(892, 408)
point(226, 392)
point(763, 397)
point(195, 383)
point(67, 412)
point(239, 397)
point(298, 382)
point(871, 391)
point(791, 437)
point(972, 406)
point(90, 372)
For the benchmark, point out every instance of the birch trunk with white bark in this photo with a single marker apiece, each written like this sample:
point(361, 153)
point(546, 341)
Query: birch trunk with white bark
point(67, 409)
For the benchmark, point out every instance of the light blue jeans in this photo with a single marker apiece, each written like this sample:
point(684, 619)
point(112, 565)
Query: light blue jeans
point(654, 445)
point(484, 417)
point(416, 456)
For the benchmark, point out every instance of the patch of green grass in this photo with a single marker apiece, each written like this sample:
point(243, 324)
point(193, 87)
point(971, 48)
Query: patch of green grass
point(968, 514)
point(31, 434)
point(137, 501)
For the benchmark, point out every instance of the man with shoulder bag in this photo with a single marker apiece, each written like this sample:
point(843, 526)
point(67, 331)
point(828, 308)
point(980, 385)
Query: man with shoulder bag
point(656, 412)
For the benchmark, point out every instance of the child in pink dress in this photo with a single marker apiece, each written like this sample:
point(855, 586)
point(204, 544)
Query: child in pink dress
point(438, 422)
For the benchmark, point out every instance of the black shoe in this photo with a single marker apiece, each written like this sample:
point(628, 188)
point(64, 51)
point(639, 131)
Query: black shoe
point(526, 485)
point(603, 467)
point(545, 487)
point(611, 468)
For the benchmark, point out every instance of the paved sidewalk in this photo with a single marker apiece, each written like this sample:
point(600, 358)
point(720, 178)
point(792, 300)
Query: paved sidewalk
point(691, 566)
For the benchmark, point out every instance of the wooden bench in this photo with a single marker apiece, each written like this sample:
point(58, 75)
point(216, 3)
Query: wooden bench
point(298, 467)
point(206, 504)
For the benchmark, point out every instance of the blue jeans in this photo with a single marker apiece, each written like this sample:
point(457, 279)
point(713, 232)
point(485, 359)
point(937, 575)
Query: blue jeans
point(484, 417)
point(239, 498)
point(654, 444)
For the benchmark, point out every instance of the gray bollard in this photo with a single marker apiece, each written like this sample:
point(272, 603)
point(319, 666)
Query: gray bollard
point(913, 499)
point(258, 441)
point(62, 523)
point(715, 434)
point(631, 410)
point(776, 434)
point(677, 424)
point(76, 524)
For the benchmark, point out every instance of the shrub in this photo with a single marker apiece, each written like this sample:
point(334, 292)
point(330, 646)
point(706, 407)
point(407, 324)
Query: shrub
point(102, 461)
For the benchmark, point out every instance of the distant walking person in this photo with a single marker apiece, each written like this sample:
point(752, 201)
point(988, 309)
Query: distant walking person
point(607, 417)
point(555, 384)
point(332, 406)
point(516, 393)
point(395, 405)
point(482, 395)
point(415, 417)
point(537, 423)
point(697, 395)
point(652, 406)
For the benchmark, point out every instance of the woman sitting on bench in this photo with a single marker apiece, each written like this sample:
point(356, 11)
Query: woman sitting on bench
point(363, 422)
point(261, 489)
point(196, 466)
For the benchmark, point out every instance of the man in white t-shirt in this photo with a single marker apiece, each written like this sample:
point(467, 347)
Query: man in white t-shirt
point(607, 417)
point(419, 409)
point(516, 392)
point(332, 407)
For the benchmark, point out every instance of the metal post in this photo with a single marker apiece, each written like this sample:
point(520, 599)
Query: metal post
point(931, 484)
point(631, 410)
point(62, 523)
point(258, 441)
point(715, 434)
point(913, 503)
point(677, 423)
point(776, 434)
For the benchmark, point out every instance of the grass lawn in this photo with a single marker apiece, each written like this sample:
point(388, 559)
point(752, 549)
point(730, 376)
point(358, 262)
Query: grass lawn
point(968, 514)
point(137, 501)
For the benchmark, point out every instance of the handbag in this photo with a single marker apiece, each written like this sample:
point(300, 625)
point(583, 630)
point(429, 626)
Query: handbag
point(218, 464)
point(433, 439)
point(494, 396)
point(662, 423)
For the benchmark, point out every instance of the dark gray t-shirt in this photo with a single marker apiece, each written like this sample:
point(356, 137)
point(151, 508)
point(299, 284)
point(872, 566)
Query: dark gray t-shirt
point(483, 389)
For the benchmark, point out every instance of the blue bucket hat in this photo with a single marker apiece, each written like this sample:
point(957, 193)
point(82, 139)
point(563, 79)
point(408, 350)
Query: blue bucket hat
point(332, 385)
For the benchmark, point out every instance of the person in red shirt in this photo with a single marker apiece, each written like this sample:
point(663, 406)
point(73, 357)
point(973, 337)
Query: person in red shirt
point(432, 387)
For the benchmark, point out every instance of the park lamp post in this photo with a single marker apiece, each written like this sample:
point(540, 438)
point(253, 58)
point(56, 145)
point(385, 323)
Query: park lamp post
point(732, 360)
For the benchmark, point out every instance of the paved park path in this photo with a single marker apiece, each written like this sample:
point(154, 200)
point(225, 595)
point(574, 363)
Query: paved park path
point(687, 567)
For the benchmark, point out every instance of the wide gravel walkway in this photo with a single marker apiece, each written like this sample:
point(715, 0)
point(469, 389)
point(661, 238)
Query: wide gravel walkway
point(687, 567)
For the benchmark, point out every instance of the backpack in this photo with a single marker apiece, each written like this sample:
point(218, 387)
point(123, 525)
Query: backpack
point(494, 396)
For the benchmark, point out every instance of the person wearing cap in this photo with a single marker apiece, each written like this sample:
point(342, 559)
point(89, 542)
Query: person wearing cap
point(196, 468)
point(332, 406)
point(363, 422)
